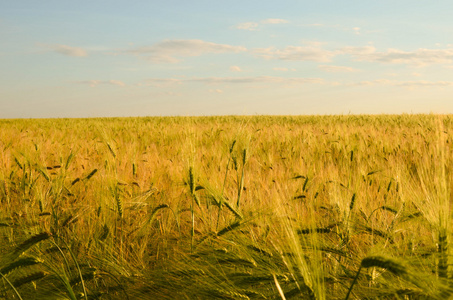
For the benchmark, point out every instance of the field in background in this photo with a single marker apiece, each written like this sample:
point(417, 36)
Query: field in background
point(322, 207)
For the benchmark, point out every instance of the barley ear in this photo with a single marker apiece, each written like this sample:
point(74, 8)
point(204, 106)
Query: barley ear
point(29, 278)
point(20, 263)
point(30, 243)
point(389, 264)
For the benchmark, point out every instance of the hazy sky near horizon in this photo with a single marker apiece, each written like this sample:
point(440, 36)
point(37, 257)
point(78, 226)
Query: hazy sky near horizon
point(155, 58)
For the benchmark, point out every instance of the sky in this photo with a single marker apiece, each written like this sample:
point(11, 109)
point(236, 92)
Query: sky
point(100, 58)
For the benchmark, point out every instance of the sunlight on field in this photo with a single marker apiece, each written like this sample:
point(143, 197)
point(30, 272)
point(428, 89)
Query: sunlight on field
point(322, 207)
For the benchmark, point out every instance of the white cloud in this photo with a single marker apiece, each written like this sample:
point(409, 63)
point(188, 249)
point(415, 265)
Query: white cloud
point(283, 69)
point(407, 84)
point(171, 51)
point(283, 81)
point(257, 79)
point(94, 83)
point(66, 50)
point(424, 83)
point(160, 82)
point(334, 69)
point(91, 83)
point(374, 82)
point(356, 30)
point(117, 82)
point(235, 69)
point(251, 26)
point(232, 80)
point(358, 51)
point(274, 21)
point(315, 44)
point(314, 25)
point(168, 51)
point(419, 57)
point(296, 53)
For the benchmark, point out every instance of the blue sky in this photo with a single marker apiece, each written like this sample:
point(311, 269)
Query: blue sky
point(157, 58)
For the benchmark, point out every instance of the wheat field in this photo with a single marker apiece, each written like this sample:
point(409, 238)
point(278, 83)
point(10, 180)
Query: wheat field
point(227, 207)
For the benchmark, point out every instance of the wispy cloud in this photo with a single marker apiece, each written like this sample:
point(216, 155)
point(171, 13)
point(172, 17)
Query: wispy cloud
point(424, 83)
point(235, 69)
point(274, 21)
point(116, 82)
point(334, 69)
point(252, 26)
point(373, 82)
point(296, 53)
point(66, 50)
point(218, 84)
point(362, 51)
point(313, 25)
point(169, 51)
point(94, 83)
point(403, 83)
point(256, 79)
point(161, 82)
point(419, 57)
point(314, 51)
point(283, 69)
point(235, 80)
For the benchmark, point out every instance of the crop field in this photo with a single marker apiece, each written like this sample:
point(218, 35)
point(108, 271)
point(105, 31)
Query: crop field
point(259, 207)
